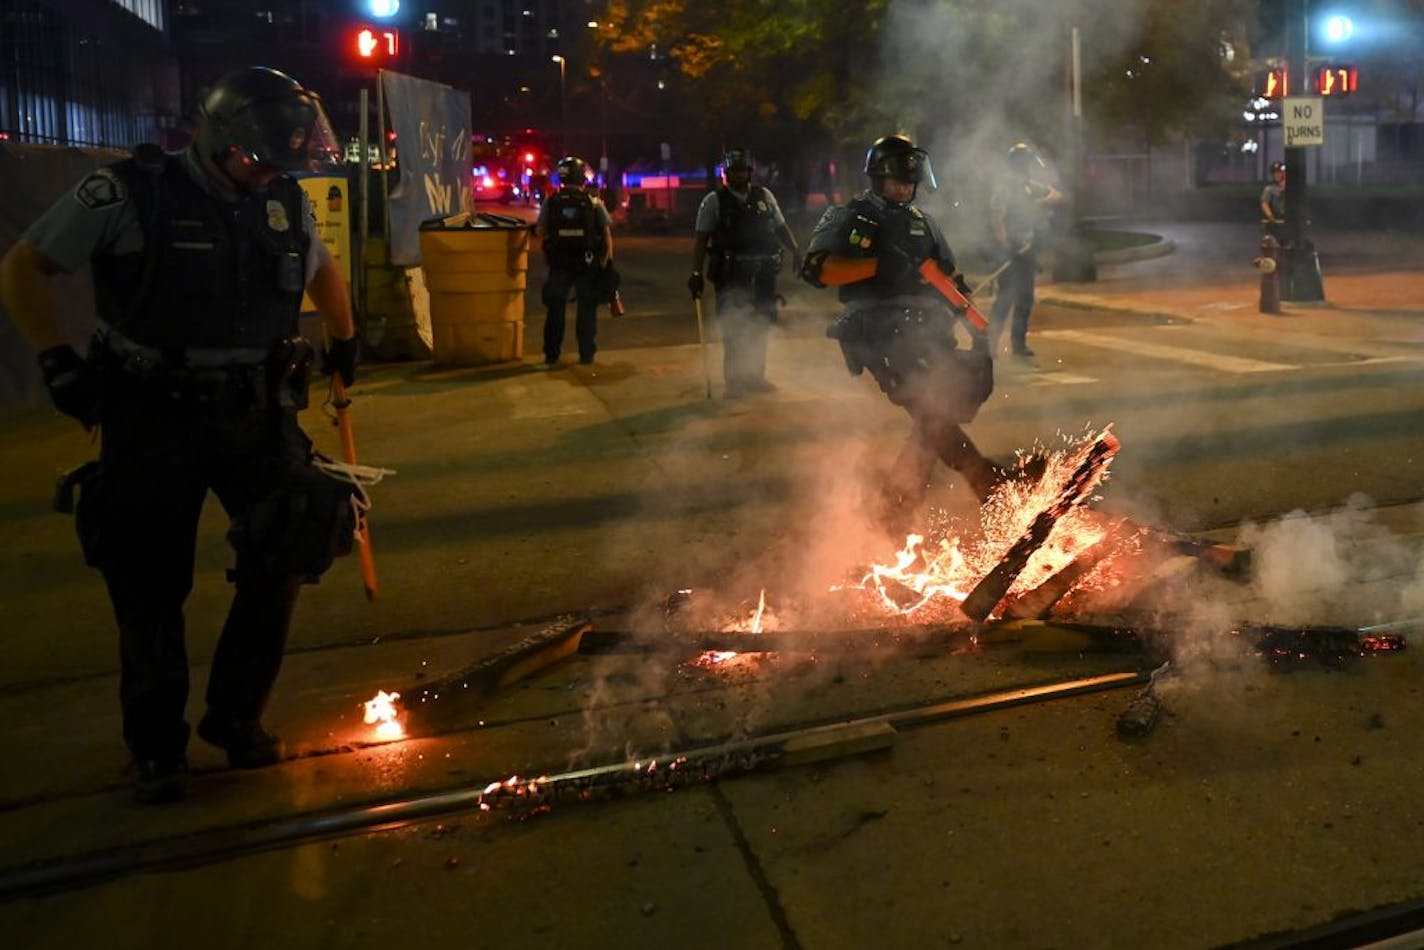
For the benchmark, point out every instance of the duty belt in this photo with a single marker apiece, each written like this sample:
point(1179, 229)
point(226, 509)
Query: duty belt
point(903, 302)
point(228, 379)
point(139, 358)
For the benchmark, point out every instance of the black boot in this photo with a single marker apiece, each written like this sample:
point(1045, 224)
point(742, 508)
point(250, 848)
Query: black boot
point(161, 781)
point(247, 744)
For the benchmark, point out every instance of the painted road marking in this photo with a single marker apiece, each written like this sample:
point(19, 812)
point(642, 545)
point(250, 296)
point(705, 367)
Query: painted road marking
point(1174, 354)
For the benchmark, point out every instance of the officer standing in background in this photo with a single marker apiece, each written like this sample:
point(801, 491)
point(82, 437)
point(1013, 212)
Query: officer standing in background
point(1273, 203)
point(1018, 211)
point(577, 234)
point(741, 231)
point(194, 378)
point(901, 329)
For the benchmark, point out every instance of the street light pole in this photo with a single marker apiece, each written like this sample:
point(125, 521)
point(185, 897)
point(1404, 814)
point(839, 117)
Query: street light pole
point(563, 106)
point(1302, 281)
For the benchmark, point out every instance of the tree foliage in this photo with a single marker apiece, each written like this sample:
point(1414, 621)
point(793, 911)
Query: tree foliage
point(845, 71)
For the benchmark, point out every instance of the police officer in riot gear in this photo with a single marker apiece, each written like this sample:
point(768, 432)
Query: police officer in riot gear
point(194, 378)
point(898, 327)
point(740, 233)
point(577, 235)
point(1017, 214)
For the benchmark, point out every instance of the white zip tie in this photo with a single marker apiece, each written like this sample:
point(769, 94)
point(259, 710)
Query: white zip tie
point(360, 477)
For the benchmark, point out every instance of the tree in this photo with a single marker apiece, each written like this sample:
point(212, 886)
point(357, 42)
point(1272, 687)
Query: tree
point(958, 71)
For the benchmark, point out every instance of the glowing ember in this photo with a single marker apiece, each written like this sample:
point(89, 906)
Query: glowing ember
point(760, 621)
point(383, 713)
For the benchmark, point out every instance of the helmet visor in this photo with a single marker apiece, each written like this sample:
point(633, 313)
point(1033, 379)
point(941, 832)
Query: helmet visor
point(914, 166)
point(292, 133)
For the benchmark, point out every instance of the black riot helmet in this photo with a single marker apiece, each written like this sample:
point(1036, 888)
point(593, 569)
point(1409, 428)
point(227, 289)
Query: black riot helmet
point(571, 172)
point(1023, 158)
point(738, 164)
point(897, 156)
point(268, 118)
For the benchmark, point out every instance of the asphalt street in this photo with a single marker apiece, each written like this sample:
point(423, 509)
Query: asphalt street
point(1270, 799)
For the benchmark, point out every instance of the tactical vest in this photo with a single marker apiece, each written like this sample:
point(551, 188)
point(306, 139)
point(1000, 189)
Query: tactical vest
point(744, 227)
point(574, 236)
point(878, 226)
point(212, 274)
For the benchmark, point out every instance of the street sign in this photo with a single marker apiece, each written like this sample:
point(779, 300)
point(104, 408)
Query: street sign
point(1304, 121)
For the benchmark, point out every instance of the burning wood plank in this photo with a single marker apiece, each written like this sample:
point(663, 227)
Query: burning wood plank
point(1037, 603)
point(453, 694)
point(1287, 647)
point(987, 594)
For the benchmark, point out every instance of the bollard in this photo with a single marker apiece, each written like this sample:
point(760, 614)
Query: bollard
point(1269, 265)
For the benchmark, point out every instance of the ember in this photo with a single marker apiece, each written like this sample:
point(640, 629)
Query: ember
point(383, 713)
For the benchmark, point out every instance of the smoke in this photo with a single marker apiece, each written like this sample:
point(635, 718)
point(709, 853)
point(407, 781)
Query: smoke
point(948, 82)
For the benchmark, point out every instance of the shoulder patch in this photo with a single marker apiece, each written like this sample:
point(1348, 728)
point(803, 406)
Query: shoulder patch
point(101, 189)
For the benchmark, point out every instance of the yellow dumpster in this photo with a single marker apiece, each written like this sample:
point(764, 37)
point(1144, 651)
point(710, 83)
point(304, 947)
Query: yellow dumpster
point(476, 268)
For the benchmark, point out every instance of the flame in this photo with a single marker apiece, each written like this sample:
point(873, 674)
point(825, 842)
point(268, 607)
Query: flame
point(928, 579)
point(923, 576)
point(383, 713)
point(759, 621)
point(761, 609)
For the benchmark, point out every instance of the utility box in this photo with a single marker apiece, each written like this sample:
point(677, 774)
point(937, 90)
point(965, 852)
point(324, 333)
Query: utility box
point(476, 267)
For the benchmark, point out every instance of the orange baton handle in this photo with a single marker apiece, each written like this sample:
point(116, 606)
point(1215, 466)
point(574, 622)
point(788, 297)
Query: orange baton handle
point(348, 452)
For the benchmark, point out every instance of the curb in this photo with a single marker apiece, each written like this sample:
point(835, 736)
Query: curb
point(1142, 252)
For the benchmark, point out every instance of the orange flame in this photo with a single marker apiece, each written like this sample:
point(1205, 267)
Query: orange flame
point(383, 713)
point(921, 576)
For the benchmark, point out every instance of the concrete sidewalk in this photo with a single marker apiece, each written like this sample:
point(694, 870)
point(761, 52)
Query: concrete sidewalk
point(1374, 282)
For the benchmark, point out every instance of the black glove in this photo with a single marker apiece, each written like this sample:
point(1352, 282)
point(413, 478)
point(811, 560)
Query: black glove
point(962, 284)
point(73, 383)
point(695, 285)
point(341, 359)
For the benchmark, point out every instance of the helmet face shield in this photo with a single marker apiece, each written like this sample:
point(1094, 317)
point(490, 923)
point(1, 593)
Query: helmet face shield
point(737, 163)
point(292, 134)
point(918, 169)
point(895, 156)
point(267, 118)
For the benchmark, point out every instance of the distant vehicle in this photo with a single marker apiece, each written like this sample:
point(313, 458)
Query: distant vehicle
point(510, 168)
point(495, 186)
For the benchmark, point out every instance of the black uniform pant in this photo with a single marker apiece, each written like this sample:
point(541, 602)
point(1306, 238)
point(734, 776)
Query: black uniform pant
point(916, 364)
point(1014, 298)
point(159, 457)
point(746, 308)
point(583, 282)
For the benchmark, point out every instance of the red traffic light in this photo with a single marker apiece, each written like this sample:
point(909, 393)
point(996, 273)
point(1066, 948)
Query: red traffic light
point(376, 45)
point(1274, 83)
point(1336, 80)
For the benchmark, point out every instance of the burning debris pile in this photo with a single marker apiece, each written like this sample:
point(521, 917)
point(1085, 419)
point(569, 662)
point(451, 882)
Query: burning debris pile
point(1039, 563)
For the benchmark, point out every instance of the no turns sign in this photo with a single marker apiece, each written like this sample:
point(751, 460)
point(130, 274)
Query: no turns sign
point(1304, 122)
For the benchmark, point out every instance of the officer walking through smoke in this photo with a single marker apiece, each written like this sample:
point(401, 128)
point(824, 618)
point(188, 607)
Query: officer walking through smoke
point(577, 235)
point(194, 378)
point(1017, 212)
point(898, 327)
point(740, 233)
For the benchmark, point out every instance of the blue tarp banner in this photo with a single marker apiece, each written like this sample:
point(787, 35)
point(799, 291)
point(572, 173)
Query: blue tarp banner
point(432, 126)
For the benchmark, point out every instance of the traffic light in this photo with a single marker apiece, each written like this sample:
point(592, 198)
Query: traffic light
point(1336, 80)
point(376, 45)
point(1274, 83)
